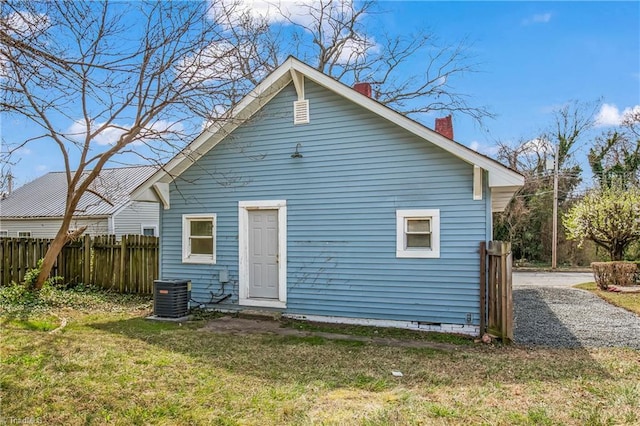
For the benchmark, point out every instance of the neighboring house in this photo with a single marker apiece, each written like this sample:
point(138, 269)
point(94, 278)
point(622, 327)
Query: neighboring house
point(317, 201)
point(36, 209)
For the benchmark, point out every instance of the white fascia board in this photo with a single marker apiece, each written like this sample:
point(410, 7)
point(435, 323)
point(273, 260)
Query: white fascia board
point(499, 175)
point(211, 136)
point(291, 69)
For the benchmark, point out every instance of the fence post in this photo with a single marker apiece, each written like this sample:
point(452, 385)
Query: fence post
point(123, 257)
point(508, 289)
point(483, 287)
point(86, 261)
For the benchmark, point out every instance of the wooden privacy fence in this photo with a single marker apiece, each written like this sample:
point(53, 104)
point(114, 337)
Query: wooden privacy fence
point(19, 255)
point(496, 292)
point(128, 266)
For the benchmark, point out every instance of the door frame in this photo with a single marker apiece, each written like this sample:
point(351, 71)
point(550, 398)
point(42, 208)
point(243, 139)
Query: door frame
point(243, 252)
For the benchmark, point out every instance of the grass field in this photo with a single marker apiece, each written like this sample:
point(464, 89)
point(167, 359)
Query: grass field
point(628, 301)
point(111, 366)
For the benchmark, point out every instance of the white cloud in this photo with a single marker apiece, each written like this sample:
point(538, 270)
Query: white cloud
point(539, 18)
point(276, 11)
point(219, 61)
point(354, 49)
point(26, 23)
point(610, 115)
point(41, 168)
point(23, 25)
point(483, 149)
point(306, 13)
point(542, 18)
point(110, 135)
point(537, 146)
point(23, 151)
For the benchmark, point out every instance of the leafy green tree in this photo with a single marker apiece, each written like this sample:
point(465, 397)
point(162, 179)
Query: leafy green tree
point(609, 216)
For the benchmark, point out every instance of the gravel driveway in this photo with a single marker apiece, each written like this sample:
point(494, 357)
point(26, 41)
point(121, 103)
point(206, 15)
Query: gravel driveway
point(549, 312)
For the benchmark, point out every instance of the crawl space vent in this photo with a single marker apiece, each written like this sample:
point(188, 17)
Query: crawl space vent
point(301, 112)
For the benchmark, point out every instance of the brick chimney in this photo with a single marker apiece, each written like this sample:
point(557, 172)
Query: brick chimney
point(364, 88)
point(444, 126)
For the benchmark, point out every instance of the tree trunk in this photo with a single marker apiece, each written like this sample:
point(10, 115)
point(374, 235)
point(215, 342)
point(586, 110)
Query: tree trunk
point(58, 243)
point(617, 252)
point(50, 258)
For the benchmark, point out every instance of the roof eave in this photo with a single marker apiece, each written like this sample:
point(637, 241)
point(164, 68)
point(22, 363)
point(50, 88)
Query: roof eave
point(499, 175)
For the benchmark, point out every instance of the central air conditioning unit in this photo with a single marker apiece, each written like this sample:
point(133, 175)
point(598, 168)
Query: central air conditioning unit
point(171, 298)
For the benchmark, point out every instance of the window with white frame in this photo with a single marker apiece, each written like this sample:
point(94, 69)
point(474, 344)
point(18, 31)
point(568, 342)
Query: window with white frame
point(199, 238)
point(4, 233)
point(418, 233)
point(149, 231)
point(24, 234)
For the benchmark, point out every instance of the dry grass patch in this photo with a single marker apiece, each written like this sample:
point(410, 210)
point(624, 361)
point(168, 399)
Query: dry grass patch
point(118, 368)
point(628, 301)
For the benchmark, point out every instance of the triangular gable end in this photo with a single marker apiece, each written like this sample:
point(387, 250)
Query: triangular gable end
point(502, 181)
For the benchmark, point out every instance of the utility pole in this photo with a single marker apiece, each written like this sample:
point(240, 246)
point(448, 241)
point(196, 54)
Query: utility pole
point(554, 243)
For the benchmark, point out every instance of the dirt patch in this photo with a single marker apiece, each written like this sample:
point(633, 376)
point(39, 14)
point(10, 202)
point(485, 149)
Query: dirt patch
point(245, 326)
point(234, 325)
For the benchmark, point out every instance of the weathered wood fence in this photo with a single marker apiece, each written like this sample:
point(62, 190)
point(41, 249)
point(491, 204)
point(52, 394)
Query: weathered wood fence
point(129, 265)
point(496, 292)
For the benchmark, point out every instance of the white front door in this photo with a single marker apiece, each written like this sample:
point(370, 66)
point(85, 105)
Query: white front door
point(262, 244)
point(263, 254)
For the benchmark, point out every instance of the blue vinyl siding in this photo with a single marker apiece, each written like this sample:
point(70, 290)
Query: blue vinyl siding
point(357, 170)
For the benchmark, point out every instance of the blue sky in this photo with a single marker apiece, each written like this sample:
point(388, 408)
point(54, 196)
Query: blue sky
point(537, 56)
point(533, 57)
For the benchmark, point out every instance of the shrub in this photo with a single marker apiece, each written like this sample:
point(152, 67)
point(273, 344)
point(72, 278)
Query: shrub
point(614, 273)
point(31, 276)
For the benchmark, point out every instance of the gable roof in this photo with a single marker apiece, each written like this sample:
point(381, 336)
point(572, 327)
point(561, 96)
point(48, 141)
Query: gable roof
point(502, 180)
point(46, 196)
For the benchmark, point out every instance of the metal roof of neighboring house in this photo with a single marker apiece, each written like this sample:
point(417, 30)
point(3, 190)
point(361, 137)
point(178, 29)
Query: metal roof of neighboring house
point(46, 195)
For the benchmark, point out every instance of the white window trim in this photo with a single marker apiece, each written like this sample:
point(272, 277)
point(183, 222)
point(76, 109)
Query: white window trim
point(243, 252)
point(401, 250)
point(23, 232)
point(155, 230)
point(187, 257)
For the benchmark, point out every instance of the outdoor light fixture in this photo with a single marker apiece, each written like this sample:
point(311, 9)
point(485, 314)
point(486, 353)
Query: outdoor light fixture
point(297, 154)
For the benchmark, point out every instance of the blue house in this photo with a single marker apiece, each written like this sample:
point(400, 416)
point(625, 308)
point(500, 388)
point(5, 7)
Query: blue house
point(315, 200)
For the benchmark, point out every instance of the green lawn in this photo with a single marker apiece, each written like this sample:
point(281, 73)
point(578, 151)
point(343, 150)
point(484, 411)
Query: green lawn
point(111, 366)
point(628, 301)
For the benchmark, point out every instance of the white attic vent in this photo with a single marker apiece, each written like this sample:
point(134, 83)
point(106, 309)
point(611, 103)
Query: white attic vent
point(301, 112)
point(477, 182)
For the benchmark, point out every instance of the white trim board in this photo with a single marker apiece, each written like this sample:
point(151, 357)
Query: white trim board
point(243, 253)
point(471, 330)
point(187, 256)
point(424, 253)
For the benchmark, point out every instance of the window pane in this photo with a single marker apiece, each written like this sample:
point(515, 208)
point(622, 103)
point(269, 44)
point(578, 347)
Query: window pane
point(418, 225)
point(201, 245)
point(202, 228)
point(149, 232)
point(418, 241)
